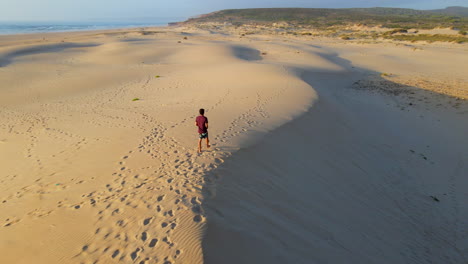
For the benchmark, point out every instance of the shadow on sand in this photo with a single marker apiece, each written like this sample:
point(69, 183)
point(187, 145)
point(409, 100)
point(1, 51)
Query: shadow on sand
point(8, 58)
point(245, 53)
point(346, 182)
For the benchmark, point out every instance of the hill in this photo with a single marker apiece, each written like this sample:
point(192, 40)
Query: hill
point(453, 10)
point(456, 17)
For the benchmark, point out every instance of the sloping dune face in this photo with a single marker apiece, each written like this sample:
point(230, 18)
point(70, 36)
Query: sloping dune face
point(361, 177)
point(98, 143)
point(342, 184)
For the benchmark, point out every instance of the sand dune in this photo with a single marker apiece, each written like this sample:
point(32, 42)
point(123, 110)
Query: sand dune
point(316, 156)
point(352, 181)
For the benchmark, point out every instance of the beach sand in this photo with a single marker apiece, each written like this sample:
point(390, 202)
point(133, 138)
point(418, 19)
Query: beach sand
point(323, 151)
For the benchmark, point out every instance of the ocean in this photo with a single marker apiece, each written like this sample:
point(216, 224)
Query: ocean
point(7, 28)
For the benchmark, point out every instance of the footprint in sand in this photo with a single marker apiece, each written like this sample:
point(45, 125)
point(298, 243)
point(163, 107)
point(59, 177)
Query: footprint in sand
point(168, 241)
point(134, 254)
point(195, 201)
point(144, 236)
point(170, 213)
point(120, 223)
point(197, 218)
point(116, 211)
point(10, 222)
point(147, 221)
point(144, 261)
point(153, 242)
point(84, 248)
point(115, 254)
point(196, 209)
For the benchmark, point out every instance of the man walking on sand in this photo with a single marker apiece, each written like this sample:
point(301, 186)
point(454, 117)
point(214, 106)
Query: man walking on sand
point(202, 123)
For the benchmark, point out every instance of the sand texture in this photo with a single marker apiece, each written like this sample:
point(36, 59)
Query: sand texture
point(323, 151)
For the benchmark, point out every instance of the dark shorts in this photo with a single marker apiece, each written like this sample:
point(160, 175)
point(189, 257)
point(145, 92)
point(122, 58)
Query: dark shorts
point(203, 135)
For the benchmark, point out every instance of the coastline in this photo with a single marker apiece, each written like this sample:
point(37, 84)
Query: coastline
point(55, 36)
point(44, 27)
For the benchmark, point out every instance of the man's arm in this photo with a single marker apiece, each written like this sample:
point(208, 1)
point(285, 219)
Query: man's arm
point(206, 125)
point(196, 123)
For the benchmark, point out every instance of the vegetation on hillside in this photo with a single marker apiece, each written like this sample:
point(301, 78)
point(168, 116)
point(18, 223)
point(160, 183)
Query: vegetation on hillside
point(321, 18)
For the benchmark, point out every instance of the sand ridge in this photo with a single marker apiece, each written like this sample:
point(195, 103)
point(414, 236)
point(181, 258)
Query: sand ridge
point(106, 137)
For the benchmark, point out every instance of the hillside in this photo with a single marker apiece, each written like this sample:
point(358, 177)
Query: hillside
point(453, 10)
point(456, 17)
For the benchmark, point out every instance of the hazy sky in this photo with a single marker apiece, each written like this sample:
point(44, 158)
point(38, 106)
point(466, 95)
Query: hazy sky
point(77, 10)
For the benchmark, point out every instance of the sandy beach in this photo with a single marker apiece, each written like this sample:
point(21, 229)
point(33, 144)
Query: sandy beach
point(323, 150)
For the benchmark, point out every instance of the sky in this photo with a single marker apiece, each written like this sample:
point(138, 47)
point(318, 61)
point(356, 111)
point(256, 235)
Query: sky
point(89, 10)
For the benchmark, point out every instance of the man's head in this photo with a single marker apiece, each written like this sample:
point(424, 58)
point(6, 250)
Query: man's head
point(202, 111)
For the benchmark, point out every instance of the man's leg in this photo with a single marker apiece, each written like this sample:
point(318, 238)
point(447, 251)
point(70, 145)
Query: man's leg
point(199, 144)
point(207, 142)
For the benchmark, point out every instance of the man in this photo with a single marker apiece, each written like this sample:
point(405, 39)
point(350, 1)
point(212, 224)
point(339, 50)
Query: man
point(202, 123)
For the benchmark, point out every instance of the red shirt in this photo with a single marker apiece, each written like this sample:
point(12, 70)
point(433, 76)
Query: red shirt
point(201, 121)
